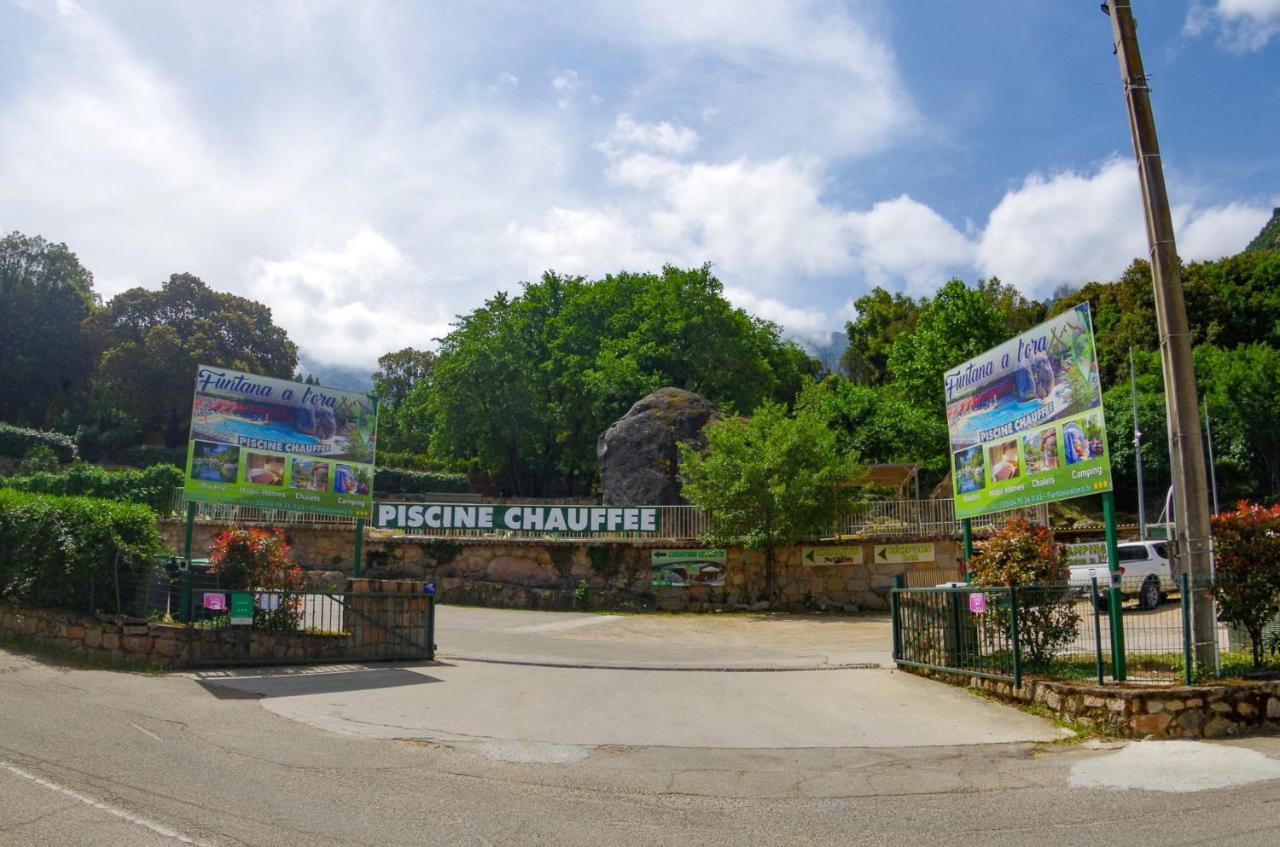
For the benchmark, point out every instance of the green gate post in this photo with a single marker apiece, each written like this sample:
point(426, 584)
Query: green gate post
point(1187, 665)
point(359, 562)
point(184, 611)
point(1097, 629)
point(966, 531)
point(895, 613)
point(1014, 639)
point(1115, 600)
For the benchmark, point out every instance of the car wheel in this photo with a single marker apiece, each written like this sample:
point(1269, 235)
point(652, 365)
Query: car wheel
point(1149, 596)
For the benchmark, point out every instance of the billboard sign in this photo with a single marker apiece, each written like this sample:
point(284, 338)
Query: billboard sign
point(1025, 420)
point(687, 567)
point(279, 444)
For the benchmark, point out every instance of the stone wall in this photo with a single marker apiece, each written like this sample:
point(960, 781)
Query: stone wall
point(545, 575)
point(1132, 711)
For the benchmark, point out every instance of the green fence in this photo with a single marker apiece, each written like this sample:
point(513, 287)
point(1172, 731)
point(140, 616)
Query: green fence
point(1136, 630)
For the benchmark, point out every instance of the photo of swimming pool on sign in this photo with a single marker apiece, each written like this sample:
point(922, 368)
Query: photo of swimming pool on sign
point(261, 441)
point(1014, 410)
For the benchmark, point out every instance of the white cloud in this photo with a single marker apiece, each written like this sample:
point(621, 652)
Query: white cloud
point(665, 137)
point(1070, 227)
point(812, 325)
point(1242, 25)
point(903, 241)
point(1219, 231)
point(1073, 227)
point(347, 305)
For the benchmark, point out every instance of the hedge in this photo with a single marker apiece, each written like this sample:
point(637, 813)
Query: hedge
point(151, 487)
point(15, 441)
point(405, 481)
point(79, 553)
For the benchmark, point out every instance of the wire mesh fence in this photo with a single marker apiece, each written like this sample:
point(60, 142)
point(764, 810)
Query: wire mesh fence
point(1064, 630)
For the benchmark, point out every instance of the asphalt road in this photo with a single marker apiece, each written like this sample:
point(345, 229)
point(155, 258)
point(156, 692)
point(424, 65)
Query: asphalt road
point(105, 758)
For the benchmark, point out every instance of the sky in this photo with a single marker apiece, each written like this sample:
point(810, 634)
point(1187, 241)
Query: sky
point(371, 170)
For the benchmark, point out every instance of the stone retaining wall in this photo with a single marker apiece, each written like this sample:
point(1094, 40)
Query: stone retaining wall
point(545, 575)
point(1132, 711)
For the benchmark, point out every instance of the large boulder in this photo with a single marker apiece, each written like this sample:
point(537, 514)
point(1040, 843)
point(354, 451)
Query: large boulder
point(637, 455)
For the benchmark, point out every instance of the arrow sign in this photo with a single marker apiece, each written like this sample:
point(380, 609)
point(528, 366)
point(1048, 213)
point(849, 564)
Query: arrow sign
point(809, 556)
point(884, 554)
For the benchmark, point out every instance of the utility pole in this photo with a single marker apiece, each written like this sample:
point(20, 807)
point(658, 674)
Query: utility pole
point(1137, 452)
point(1191, 507)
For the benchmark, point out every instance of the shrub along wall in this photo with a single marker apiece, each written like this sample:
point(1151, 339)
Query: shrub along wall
point(406, 481)
point(15, 441)
point(151, 487)
point(67, 551)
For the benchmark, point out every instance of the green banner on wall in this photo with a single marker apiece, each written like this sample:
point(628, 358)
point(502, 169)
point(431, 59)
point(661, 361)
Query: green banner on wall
point(581, 520)
point(278, 444)
point(1026, 420)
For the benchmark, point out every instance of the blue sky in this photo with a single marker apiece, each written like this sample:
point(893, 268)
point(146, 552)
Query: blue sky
point(371, 170)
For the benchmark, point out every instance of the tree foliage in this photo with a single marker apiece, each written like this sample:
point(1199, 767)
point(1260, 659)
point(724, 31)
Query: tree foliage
point(524, 386)
point(45, 295)
point(1025, 557)
point(769, 480)
point(148, 344)
point(1247, 569)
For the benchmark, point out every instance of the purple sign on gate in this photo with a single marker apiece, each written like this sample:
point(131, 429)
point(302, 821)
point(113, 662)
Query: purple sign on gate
point(215, 602)
point(978, 603)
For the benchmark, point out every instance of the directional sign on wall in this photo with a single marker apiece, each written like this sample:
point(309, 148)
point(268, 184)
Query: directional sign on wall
point(815, 556)
point(901, 553)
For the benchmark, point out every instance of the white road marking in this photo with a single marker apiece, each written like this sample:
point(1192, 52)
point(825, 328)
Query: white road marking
point(145, 731)
point(157, 828)
point(1175, 766)
point(572, 624)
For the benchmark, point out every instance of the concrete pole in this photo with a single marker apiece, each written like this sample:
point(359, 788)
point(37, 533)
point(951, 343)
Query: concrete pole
point(1137, 452)
point(1191, 507)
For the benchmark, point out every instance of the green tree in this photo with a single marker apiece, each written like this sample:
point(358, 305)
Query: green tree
point(881, 316)
point(769, 481)
point(397, 376)
point(45, 295)
point(524, 386)
point(958, 324)
point(1240, 389)
point(879, 426)
point(149, 344)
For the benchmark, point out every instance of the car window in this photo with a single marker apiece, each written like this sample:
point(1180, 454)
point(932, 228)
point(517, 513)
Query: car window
point(1162, 550)
point(1133, 554)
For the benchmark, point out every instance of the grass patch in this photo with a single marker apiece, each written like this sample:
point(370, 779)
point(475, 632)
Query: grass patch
point(1079, 732)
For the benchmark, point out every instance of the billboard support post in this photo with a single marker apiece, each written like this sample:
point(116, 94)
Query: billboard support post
point(356, 566)
point(184, 599)
point(1115, 599)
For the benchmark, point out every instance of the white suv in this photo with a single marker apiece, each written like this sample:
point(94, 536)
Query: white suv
point(1144, 569)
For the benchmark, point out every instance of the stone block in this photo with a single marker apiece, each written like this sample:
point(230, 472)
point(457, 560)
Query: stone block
point(137, 643)
point(1246, 709)
point(93, 637)
point(1092, 702)
point(134, 629)
point(1116, 704)
point(76, 632)
point(1219, 727)
point(1174, 705)
point(1154, 707)
point(1156, 725)
point(1194, 702)
point(110, 641)
point(1191, 718)
point(168, 647)
point(1221, 708)
point(1273, 708)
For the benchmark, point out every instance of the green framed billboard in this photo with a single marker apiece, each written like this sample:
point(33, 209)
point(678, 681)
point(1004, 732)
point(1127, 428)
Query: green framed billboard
point(274, 443)
point(1025, 420)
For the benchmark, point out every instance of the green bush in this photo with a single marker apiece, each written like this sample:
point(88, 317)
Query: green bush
point(145, 456)
point(152, 487)
point(15, 441)
point(1025, 557)
point(405, 481)
point(78, 553)
point(39, 459)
